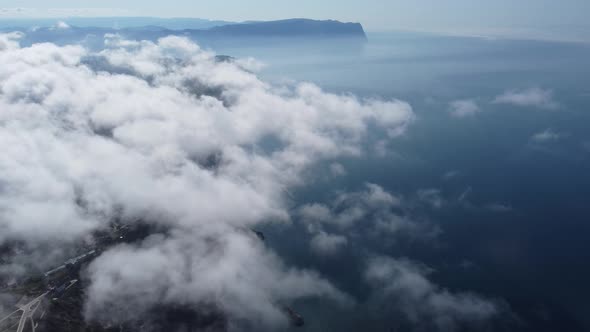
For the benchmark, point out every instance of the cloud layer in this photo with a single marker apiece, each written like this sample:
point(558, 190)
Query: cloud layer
point(231, 271)
point(165, 133)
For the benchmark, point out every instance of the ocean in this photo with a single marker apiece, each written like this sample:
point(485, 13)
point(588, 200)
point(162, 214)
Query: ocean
point(515, 203)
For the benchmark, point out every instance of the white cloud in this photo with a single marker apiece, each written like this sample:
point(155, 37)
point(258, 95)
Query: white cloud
point(548, 135)
point(464, 108)
point(231, 270)
point(316, 212)
point(450, 175)
point(250, 64)
point(163, 133)
point(533, 97)
point(61, 25)
point(10, 40)
point(377, 196)
point(57, 108)
point(325, 244)
point(402, 287)
point(374, 210)
point(356, 206)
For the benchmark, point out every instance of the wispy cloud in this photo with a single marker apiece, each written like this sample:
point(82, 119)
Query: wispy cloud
point(465, 194)
point(450, 175)
point(402, 287)
point(463, 108)
point(533, 97)
point(432, 197)
point(547, 135)
point(337, 169)
point(372, 211)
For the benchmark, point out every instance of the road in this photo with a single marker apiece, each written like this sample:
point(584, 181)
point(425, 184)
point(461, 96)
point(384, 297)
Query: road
point(26, 312)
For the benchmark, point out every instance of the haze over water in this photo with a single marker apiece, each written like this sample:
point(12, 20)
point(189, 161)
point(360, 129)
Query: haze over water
point(514, 202)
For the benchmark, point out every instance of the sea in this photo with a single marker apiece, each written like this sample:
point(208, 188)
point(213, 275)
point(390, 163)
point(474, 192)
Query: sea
point(515, 215)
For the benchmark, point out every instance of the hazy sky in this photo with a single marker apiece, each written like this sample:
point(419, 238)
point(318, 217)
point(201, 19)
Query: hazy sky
point(450, 15)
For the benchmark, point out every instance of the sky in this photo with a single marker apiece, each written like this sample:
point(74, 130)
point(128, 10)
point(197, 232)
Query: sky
point(461, 16)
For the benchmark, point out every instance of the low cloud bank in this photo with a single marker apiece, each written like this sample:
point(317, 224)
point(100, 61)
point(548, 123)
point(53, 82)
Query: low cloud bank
point(164, 133)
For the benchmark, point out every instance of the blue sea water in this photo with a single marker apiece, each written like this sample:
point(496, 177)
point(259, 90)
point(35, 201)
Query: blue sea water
point(535, 254)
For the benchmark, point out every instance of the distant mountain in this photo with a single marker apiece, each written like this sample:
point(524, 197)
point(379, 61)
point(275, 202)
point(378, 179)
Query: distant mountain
point(292, 27)
point(66, 32)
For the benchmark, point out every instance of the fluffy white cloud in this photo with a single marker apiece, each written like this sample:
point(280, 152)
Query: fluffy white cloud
point(316, 212)
point(326, 244)
point(401, 286)
point(232, 271)
point(9, 40)
point(141, 131)
point(164, 133)
point(464, 108)
point(533, 97)
point(61, 25)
